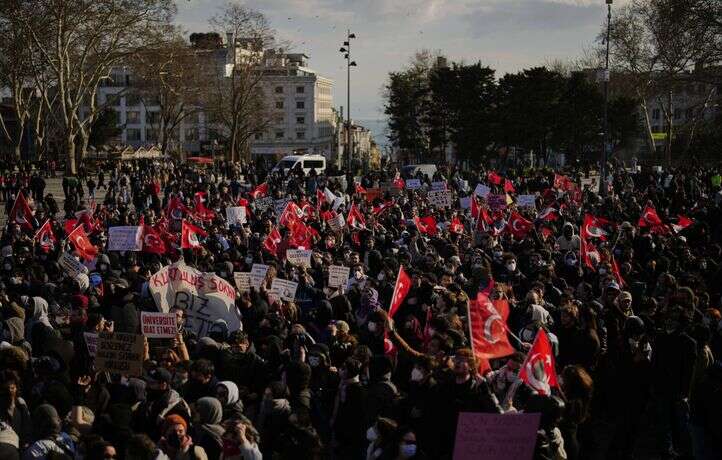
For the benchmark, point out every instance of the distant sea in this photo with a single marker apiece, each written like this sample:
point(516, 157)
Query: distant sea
point(378, 128)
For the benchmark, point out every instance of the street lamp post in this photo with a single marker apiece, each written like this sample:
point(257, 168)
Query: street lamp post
point(603, 188)
point(346, 49)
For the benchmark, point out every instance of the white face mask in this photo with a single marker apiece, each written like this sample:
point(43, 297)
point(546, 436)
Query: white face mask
point(511, 266)
point(408, 450)
point(416, 375)
point(313, 361)
point(602, 271)
point(372, 327)
point(249, 260)
point(371, 434)
point(497, 254)
point(381, 276)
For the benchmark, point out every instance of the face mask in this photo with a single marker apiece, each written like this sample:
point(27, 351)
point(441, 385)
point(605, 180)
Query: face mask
point(633, 344)
point(223, 274)
point(103, 267)
point(174, 440)
point(313, 361)
point(571, 262)
point(416, 375)
point(249, 260)
point(511, 266)
point(371, 434)
point(497, 254)
point(381, 276)
point(408, 450)
point(372, 327)
point(602, 271)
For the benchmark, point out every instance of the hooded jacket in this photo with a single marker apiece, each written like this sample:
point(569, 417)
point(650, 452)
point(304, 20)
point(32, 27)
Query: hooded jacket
point(208, 433)
point(233, 408)
point(48, 436)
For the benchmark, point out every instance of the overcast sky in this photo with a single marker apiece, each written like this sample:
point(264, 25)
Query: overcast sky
point(508, 35)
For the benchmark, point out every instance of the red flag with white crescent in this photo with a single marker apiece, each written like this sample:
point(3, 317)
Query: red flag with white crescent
point(272, 241)
point(21, 213)
point(456, 226)
point(355, 219)
point(79, 239)
point(45, 236)
point(152, 241)
point(649, 218)
point(190, 236)
point(487, 322)
point(594, 227)
point(401, 289)
point(260, 191)
point(539, 371)
point(519, 226)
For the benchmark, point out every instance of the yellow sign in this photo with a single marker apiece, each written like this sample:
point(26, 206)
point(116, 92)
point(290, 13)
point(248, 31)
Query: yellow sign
point(659, 136)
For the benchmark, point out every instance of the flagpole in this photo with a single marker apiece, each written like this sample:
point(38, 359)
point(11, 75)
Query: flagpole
point(396, 287)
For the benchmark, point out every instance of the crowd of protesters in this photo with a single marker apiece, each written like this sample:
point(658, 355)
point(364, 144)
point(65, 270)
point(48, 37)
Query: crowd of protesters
point(630, 305)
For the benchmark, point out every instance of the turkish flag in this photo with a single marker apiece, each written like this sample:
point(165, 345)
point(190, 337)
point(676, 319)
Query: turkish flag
point(474, 207)
point(201, 211)
point(290, 216)
point(518, 226)
point(617, 274)
point(509, 186)
point(548, 215)
point(152, 241)
point(494, 178)
point(401, 289)
point(355, 219)
point(21, 213)
point(377, 210)
point(456, 226)
point(176, 208)
point(488, 328)
point(426, 225)
point(359, 188)
point(46, 237)
point(649, 218)
point(272, 241)
point(588, 252)
point(82, 244)
point(190, 234)
point(301, 236)
point(538, 370)
point(260, 191)
point(682, 223)
point(593, 227)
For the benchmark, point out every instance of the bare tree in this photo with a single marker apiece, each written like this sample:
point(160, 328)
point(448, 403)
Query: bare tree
point(236, 103)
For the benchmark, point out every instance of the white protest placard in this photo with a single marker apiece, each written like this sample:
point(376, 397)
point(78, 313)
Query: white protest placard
point(413, 184)
point(72, 266)
point(205, 297)
point(91, 342)
point(284, 289)
point(482, 190)
point(463, 185)
point(243, 281)
point(263, 204)
point(526, 201)
point(120, 353)
point(337, 223)
point(299, 257)
point(440, 198)
point(439, 185)
point(125, 238)
point(465, 202)
point(338, 275)
point(158, 325)
point(236, 215)
point(258, 274)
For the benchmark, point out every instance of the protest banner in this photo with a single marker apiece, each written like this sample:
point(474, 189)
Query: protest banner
point(482, 190)
point(496, 202)
point(465, 202)
point(125, 238)
point(120, 353)
point(72, 266)
point(439, 185)
point(258, 274)
point(91, 342)
point(440, 198)
point(337, 223)
point(243, 281)
point(236, 215)
point(337, 275)
point(205, 297)
point(284, 289)
point(299, 257)
point(280, 205)
point(158, 325)
point(496, 436)
point(263, 204)
point(526, 201)
point(413, 184)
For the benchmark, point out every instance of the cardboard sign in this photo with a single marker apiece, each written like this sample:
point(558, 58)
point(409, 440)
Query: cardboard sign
point(465, 202)
point(280, 205)
point(440, 185)
point(338, 275)
point(497, 436)
point(263, 204)
point(205, 297)
point(284, 289)
point(440, 198)
point(337, 223)
point(72, 266)
point(157, 325)
point(258, 274)
point(413, 184)
point(120, 353)
point(243, 281)
point(127, 238)
point(496, 202)
point(236, 215)
point(91, 342)
point(526, 201)
point(482, 190)
point(299, 257)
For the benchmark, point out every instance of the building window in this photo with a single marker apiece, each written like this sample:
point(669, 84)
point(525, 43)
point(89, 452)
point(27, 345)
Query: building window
point(279, 134)
point(677, 114)
point(152, 117)
point(151, 135)
point(300, 120)
point(655, 114)
point(132, 117)
point(300, 89)
point(300, 104)
point(132, 135)
point(279, 104)
point(300, 134)
point(279, 89)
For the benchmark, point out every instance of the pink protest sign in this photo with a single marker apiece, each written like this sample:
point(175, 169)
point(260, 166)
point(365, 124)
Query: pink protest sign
point(495, 436)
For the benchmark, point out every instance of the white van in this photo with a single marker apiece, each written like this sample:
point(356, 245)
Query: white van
point(307, 162)
point(410, 171)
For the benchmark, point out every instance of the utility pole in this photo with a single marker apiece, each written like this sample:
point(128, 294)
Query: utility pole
point(603, 188)
point(346, 49)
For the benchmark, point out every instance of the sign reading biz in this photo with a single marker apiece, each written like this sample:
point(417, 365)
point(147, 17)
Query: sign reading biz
point(205, 297)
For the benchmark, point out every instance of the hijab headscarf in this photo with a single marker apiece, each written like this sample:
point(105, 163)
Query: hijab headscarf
point(232, 389)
